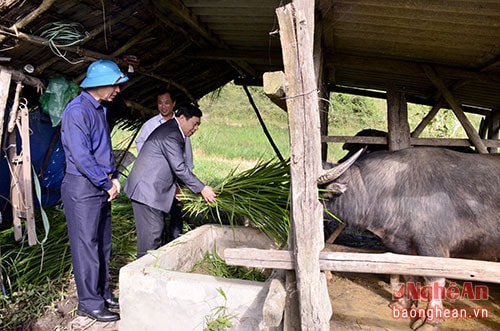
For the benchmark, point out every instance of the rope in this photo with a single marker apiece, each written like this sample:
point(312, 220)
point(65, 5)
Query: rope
point(45, 219)
point(60, 35)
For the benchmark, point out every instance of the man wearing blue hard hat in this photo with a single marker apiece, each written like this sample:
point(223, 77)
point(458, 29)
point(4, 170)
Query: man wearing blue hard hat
point(89, 185)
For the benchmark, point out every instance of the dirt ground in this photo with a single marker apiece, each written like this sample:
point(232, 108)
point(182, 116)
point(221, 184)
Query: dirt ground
point(362, 301)
point(359, 302)
point(61, 316)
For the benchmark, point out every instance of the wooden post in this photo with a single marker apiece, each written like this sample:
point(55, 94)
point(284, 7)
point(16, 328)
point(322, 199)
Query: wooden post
point(398, 136)
point(323, 115)
point(494, 127)
point(29, 206)
point(15, 185)
point(296, 23)
point(292, 318)
point(324, 93)
point(15, 165)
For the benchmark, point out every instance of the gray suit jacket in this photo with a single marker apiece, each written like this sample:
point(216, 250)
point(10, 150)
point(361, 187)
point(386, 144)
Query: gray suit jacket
point(158, 166)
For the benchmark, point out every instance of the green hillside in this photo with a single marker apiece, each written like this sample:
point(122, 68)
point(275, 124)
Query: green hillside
point(230, 134)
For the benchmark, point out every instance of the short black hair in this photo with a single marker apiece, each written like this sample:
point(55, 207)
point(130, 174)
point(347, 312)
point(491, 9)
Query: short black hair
point(188, 111)
point(165, 91)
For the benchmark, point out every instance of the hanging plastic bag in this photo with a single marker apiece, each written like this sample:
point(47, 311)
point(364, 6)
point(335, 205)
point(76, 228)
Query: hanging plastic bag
point(55, 98)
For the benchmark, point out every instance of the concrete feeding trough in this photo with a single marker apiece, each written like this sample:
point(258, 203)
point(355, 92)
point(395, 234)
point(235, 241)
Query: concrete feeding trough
point(158, 291)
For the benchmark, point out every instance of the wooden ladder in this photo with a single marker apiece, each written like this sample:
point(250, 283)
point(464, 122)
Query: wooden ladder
point(21, 194)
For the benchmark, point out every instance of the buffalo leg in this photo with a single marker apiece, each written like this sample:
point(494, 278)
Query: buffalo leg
point(434, 298)
point(400, 298)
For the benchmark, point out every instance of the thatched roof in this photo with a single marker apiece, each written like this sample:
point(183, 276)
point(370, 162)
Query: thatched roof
point(197, 46)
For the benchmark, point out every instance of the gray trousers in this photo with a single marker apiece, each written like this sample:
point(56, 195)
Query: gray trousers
point(150, 226)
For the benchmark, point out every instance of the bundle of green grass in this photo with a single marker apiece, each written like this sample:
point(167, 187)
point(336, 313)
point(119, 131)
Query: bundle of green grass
point(260, 195)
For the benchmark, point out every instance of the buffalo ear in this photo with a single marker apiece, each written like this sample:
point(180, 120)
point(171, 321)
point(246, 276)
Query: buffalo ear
point(334, 189)
point(338, 188)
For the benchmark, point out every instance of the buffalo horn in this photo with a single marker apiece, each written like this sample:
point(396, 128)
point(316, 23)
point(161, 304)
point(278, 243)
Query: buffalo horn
point(333, 173)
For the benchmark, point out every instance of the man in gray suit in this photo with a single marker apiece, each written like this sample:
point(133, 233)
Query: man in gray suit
point(166, 103)
point(151, 184)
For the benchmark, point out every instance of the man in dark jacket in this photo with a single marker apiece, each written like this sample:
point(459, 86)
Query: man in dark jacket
point(151, 184)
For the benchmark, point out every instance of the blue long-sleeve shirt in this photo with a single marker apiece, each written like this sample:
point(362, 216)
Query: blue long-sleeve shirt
point(86, 141)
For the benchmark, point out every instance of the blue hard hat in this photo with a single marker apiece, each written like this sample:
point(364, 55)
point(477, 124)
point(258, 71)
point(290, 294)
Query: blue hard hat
point(103, 73)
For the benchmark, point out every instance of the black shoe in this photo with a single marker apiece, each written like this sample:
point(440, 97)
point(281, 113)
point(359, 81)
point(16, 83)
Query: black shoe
point(112, 303)
point(101, 315)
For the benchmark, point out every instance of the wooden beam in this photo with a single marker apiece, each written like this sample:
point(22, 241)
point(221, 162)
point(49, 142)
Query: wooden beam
point(96, 55)
point(235, 55)
point(44, 42)
point(177, 8)
point(46, 4)
point(413, 141)
point(378, 263)
point(335, 233)
point(451, 142)
point(411, 99)
point(18, 76)
point(427, 119)
point(355, 139)
point(168, 81)
point(355, 62)
point(408, 68)
point(113, 20)
point(144, 110)
point(180, 10)
point(455, 106)
point(274, 88)
point(306, 233)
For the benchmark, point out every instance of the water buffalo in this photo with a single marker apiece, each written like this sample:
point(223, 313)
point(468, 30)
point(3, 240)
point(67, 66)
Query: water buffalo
point(421, 201)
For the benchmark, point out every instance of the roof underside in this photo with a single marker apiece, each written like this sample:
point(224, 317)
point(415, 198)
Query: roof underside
point(197, 46)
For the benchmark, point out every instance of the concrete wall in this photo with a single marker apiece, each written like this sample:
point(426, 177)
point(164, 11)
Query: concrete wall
point(158, 293)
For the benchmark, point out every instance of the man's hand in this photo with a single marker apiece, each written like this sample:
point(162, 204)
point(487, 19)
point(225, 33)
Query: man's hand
point(208, 194)
point(114, 190)
point(116, 181)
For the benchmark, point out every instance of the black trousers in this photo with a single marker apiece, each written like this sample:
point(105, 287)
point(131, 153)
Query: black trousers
point(88, 217)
